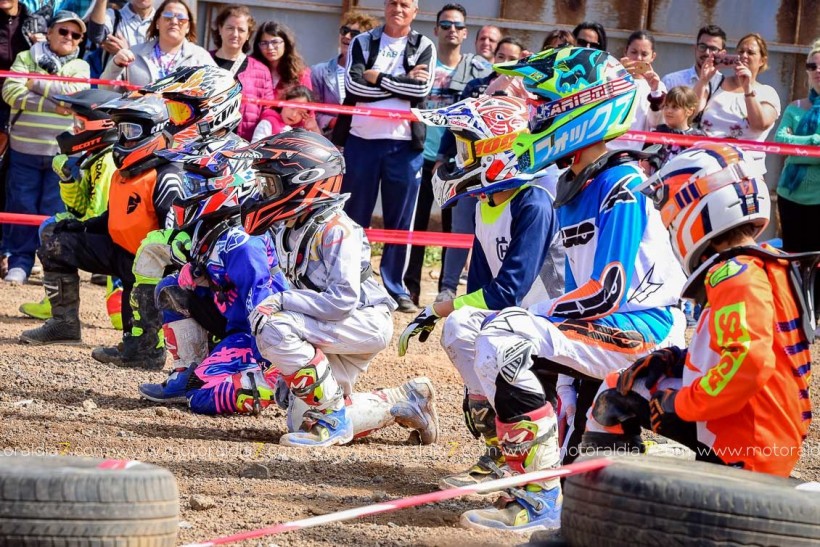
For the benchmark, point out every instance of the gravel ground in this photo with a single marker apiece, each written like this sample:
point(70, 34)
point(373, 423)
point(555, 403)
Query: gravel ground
point(57, 400)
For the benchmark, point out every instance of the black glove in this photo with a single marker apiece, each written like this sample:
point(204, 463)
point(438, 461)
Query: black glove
point(421, 326)
point(69, 225)
point(662, 409)
point(666, 362)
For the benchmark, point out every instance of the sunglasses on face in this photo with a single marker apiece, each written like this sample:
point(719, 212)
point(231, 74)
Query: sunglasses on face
point(276, 42)
point(62, 31)
point(707, 47)
point(586, 43)
point(811, 66)
point(170, 15)
point(445, 25)
point(345, 30)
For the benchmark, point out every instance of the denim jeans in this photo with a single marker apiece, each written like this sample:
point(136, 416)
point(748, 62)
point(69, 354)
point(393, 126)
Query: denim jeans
point(33, 188)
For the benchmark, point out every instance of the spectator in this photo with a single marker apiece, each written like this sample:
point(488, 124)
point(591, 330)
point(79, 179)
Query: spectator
point(798, 191)
point(741, 108)
point(328, 78)
point(275, 47)
point(388, 67)
point(558, 38)
point(36, 121)
point(453, 72)
point(711, 40)
point(16, 24)
point(463, 212)
point(590, 34)
point(279, 119)
point(486, 41)
point(232, 29)
point(679, 107)
point(171, 44)
point(639, 55)
point(112, 29)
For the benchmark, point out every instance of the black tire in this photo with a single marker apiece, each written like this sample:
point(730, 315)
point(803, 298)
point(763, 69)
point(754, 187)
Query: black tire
point(60, 501)
point(644, 500)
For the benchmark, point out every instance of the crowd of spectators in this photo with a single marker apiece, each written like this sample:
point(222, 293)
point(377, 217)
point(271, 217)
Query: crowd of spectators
point(385, 64)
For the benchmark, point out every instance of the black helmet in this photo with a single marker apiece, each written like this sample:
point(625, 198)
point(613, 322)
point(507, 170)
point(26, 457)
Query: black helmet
point(93, 128)
point(141, 125)
point(298, 171)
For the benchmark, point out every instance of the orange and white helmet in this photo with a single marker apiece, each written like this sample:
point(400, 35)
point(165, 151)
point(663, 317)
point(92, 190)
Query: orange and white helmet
point(706, 191)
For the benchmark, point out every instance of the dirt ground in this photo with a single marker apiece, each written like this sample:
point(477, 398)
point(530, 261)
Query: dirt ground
point(57, 400)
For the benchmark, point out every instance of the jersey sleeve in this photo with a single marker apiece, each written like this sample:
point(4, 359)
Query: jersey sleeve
point(622, 220)
point(246, 264)
point(168, 189)
point(741, 334)
point(340, 249)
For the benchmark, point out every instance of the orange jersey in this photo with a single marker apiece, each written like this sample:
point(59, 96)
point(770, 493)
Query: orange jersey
point(131, 212)
point(748, 368)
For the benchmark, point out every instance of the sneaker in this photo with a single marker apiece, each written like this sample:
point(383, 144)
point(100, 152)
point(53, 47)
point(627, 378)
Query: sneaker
point(418, 411)
point(16, 276)
point(462, 279)
point(406, 304)
point(172, 390)
point(445, 295)
point(321, 430)
point(519, 511)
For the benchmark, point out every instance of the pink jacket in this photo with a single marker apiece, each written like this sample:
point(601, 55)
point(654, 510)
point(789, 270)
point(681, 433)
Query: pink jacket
point(257, 84)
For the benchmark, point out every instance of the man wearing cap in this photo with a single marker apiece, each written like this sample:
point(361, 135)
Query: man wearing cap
point(36, 120)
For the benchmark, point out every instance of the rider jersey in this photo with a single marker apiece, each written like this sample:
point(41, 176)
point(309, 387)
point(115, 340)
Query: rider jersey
point(142, 203)
point(619, 258)
point(243, 270)
point(337, 254)
point(748, 368)
point(86, 194)
point(513, 261)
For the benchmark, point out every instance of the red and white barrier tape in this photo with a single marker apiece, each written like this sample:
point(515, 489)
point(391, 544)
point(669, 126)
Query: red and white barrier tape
point(397, 237)
point(640, 136)
point(412, 501)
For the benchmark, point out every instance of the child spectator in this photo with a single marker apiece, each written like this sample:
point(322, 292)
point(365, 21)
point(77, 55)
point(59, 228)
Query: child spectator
point(679, 108)
point(278, 119)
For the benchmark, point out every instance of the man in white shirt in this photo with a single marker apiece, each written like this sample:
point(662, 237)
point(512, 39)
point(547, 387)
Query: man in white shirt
point(711, 41)
point(390, 67)
point(131, 24)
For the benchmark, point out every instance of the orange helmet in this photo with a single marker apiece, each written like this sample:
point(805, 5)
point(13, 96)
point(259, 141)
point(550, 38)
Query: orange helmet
point(706, 191)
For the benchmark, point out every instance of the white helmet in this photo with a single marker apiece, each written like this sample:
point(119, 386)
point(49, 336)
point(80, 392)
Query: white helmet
point(706, 191)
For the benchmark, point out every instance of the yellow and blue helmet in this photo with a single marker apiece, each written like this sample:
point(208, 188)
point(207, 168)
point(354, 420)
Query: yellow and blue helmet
point(588, 97)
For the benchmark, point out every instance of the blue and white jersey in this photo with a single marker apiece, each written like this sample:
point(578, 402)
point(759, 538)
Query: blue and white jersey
point(514, 262)
point(244, 270)
point(620, 263)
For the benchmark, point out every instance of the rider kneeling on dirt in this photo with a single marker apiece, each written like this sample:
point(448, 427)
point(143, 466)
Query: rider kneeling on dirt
point(324, 331)
point(739, 394)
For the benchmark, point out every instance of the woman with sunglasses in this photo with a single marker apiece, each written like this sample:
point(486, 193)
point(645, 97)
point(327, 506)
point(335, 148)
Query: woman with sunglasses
point(275, 47)
point(798, 191)
point(590, 34)
point(171, 44)
point(741, 108)
point(232, 30)
point(36, 120)
point(328, 78)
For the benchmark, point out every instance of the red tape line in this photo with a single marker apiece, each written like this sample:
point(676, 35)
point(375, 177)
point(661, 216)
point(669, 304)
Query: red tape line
point(412, 501)
point(397, 237)
point(808, 151)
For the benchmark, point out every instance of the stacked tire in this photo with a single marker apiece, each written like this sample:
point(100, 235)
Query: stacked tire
point(665, 501)
point(69, 501)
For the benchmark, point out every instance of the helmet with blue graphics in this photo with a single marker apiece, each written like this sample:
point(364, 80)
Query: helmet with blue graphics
point(704, 192)
point(588, 97)
point(484, 129)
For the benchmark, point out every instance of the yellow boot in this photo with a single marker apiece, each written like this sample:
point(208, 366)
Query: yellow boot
point(37, 310)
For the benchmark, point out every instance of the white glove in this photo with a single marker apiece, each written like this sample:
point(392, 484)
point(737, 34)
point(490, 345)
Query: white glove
point(263, 311)
point(569, 398)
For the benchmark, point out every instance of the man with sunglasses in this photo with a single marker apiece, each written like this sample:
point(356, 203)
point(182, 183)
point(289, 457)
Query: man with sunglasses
point(389, 67)
point(454, 70)
point(711, 41)
point(328, 78)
